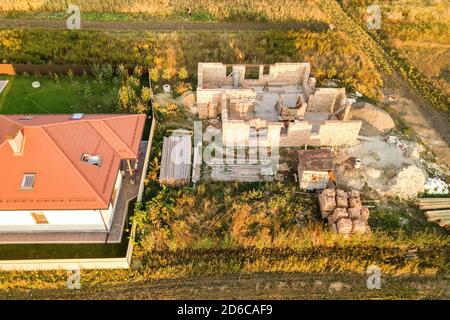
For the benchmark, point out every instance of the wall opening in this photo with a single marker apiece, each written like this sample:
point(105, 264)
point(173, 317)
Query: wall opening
point(252, 72)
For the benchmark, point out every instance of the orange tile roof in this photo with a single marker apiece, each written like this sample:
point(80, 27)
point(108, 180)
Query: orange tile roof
point(53, 146)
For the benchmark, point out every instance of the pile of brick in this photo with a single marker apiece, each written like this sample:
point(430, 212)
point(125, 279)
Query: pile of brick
point(344, 211)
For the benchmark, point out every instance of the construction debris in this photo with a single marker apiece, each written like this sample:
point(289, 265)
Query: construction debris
point(221, 171)
point(436, 186)
point(409, 180)
point(176, 160)
point(341, 198)
point(388, 165)
point(344, 211)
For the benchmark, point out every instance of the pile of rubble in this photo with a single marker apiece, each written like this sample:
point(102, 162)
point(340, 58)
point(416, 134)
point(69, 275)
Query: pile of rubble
point(388, 165)
point(344, 211)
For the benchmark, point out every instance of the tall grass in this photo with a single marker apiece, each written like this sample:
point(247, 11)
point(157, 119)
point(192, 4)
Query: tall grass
point(331, 54)
point(222, 10)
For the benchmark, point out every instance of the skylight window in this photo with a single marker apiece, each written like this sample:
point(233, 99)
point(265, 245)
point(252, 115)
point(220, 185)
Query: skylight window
point(28, 181)
point(94, 160)
point(77, 116)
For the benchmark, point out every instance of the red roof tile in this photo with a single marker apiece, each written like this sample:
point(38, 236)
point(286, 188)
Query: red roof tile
point(315, 159)
point(53, 147)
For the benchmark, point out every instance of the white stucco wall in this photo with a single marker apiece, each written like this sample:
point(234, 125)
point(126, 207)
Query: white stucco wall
point(90, 220)
point(108, 214)
point(61, 220)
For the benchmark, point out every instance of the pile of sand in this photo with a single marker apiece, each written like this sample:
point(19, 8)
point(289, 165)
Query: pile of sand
point(375, 120)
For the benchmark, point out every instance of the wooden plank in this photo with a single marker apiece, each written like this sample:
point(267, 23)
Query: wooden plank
point(444, 223)
point(442, 205)
point(438, 213)
point(434, 199)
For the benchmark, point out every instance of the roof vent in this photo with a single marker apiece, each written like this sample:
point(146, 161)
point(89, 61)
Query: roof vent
point(26, 118)
point(77, 116)
point(94, 160)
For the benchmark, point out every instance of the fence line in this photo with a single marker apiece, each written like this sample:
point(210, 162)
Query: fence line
point(147, 158)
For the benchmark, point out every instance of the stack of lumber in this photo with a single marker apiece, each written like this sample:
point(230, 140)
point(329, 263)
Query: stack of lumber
point(176, 160)
point(344, 211)
point(430, 205)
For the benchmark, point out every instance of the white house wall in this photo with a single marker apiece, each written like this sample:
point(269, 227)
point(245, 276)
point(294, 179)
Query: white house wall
point(83, 220)
point(61, 220)
point(108, 214)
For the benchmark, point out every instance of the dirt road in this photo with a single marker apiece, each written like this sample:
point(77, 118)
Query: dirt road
point(255, 286)
point(432, 126)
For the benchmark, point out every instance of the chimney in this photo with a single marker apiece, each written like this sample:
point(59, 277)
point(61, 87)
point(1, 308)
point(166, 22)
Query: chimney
point(16, 140)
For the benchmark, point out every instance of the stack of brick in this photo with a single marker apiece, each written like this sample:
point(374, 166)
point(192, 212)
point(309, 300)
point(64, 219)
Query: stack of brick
point(344, 211)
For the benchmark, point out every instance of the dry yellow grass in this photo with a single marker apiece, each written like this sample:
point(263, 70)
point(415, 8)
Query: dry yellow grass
point(417, 35)
point(431, 61)
point(262, 10)
point(420, 31)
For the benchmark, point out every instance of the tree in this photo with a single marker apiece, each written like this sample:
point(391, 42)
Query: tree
point(122, 72)
point(154, 75)
point(167, 73)
point(70, 75)
point(146, 94)
point(140, 107)
point(124, 99)
point(137, 72)
point(183, 74)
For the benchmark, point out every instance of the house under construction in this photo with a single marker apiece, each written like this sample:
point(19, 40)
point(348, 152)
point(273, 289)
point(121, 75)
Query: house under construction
point(274, 105)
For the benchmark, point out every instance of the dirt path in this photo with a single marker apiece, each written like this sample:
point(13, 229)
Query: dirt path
point(432, 126)
point(255, 286)
point(151, 25)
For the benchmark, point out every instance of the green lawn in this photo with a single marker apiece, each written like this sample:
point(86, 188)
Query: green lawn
point(81, 94)
point(62, 251)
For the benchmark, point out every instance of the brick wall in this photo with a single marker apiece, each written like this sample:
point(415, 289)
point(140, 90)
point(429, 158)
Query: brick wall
point(212, 75)
point(326, 100)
